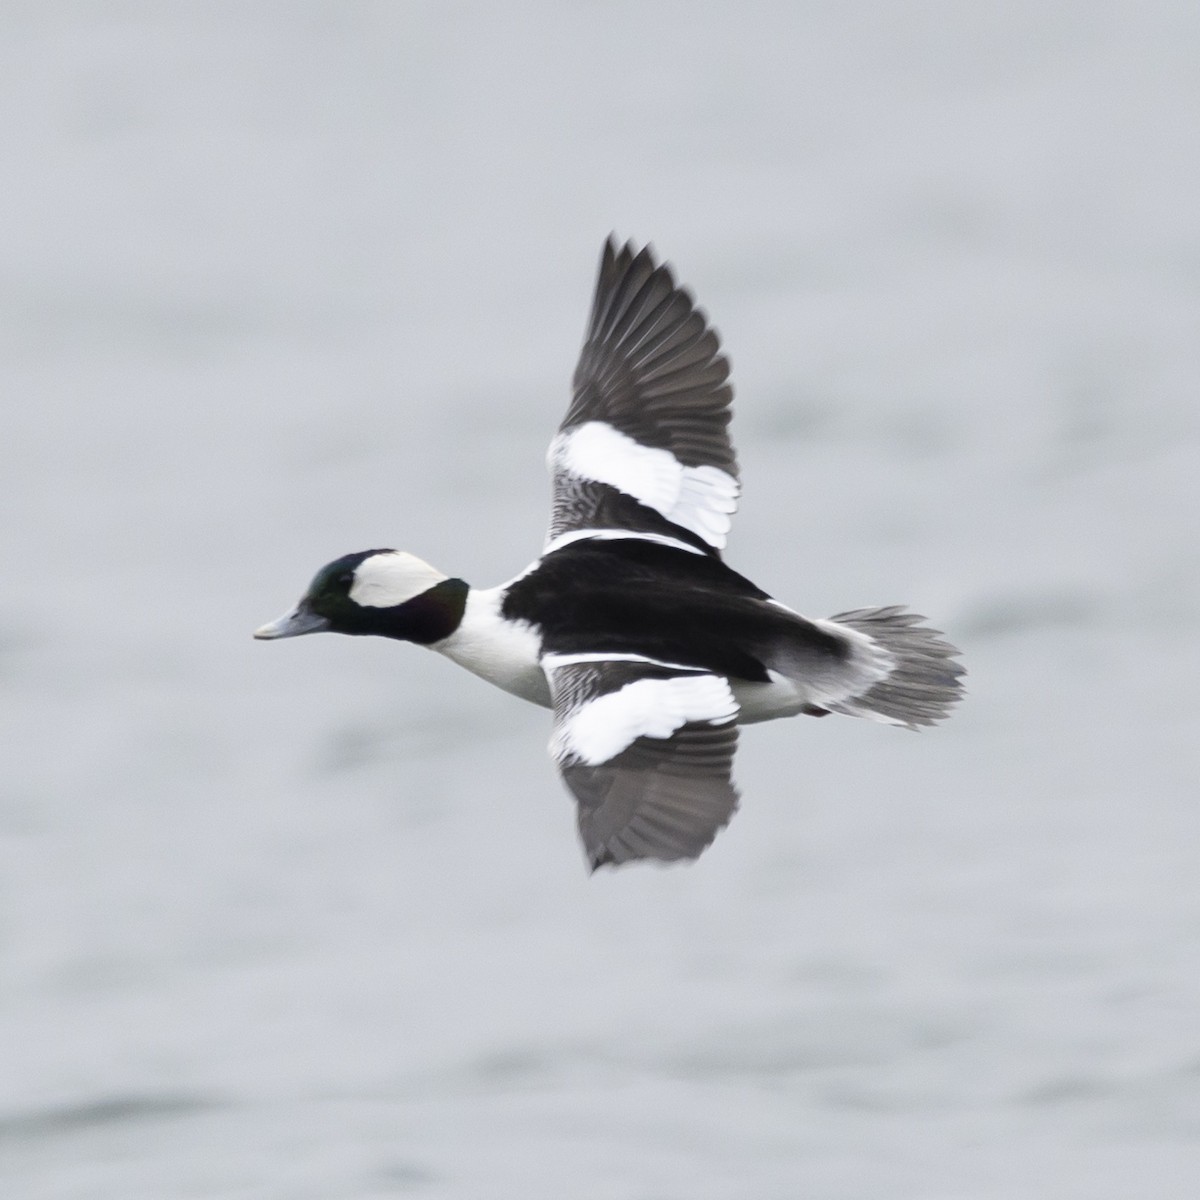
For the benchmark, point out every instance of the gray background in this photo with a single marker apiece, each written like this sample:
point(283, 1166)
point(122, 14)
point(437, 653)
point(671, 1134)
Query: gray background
point(309, 920)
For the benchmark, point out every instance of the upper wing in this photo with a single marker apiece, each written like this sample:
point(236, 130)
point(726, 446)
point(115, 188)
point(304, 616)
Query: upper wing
point(647, 751)
point(645, 444)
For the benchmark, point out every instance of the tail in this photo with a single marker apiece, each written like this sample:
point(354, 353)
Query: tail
point(925, 681)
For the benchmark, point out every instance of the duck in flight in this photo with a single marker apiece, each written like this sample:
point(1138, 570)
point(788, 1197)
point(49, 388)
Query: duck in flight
point(648, 648)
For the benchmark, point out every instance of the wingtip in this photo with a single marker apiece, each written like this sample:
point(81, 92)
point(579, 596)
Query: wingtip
point(608, 252)
point(595, 862)
point(631, 249)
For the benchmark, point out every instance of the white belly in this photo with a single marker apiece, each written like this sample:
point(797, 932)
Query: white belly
point(766, 701)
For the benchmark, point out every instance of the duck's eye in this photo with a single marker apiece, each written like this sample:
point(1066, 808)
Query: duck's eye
point(346, 578)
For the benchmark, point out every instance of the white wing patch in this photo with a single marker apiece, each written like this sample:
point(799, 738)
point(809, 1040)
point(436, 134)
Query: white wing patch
point(601, 728)
point(700, 499)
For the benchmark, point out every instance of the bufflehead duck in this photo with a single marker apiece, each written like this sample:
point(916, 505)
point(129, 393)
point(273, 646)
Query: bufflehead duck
point(649, 649)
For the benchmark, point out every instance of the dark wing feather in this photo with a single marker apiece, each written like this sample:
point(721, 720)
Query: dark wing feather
point(663, 794)
point(652, 371)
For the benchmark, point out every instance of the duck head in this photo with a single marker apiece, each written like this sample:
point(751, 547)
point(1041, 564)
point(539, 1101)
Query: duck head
point(386, 593)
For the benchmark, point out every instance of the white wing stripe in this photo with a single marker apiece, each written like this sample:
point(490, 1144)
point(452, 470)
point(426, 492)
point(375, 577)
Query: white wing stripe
point(614, 535)
point(699, 499)
point(599, 730)
point(552, 660)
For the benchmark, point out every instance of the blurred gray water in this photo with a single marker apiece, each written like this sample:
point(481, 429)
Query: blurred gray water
point(282, 281)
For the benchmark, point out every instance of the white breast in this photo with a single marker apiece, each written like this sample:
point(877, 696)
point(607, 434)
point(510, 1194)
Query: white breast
point(506, 653)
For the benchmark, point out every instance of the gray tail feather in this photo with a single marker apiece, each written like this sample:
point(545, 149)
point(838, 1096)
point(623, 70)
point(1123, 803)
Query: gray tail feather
point(926, 681)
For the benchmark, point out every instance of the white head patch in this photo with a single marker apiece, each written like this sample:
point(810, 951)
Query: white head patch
point(391, 578)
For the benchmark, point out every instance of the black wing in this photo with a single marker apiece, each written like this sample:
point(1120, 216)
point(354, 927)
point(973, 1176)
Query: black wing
point(647, 751)
point(645, 444)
